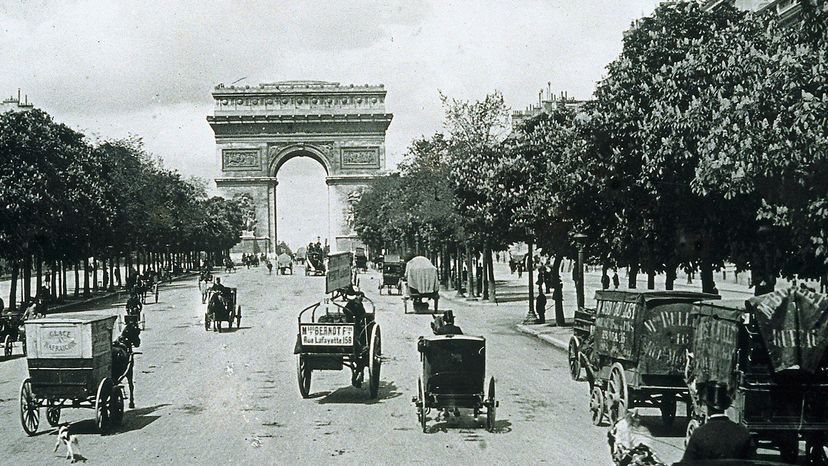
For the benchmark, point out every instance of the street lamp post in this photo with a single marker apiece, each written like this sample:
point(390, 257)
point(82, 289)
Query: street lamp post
point(531, 316)
point(580, 238)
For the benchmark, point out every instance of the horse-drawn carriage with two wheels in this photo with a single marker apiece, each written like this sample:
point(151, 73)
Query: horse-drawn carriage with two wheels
point(284, 264)
point(70, 366)
point(315, 263)
point(393, 274)
point(11, 331)
point(222, 307)
point(637, 353)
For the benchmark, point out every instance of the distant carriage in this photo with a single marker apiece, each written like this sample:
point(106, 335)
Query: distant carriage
point(315, 264)
point(284, 264)
point(421, 283)
point(768, 355)
point(636, 354)
point(393, 272)
point(12, 331)
point(222, 307)
point(70, 366)
point(360, 259)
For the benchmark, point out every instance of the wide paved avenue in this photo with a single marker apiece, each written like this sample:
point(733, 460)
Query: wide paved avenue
point(232, 398)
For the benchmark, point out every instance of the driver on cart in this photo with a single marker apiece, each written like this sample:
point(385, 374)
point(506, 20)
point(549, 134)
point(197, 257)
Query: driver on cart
point(445, 325)
point(355, 313)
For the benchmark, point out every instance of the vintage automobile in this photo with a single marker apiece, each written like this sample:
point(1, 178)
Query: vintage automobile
point(768, 353)
point(70, 366)
point(421, 282)
point(637, 352)
point(454, 373)
point(393, 271)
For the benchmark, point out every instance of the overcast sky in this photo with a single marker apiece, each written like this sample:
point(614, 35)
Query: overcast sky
point(111, 69)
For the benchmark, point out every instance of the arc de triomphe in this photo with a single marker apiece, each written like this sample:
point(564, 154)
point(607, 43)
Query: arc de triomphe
point(259, 128)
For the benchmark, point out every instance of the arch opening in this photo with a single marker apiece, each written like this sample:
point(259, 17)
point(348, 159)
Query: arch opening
point(301, 200)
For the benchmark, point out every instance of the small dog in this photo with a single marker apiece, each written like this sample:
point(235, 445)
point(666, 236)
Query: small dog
point(71, 442)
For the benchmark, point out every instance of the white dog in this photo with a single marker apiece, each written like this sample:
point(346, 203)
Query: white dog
point(71, 442)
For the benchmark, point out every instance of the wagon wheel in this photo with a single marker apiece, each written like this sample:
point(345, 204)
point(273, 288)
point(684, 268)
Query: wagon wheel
point(116, 406)
point(8, 346)
point(574, 358)
point(304, 374)
point(102, 404)
point(491, 409)
point(29, 408)
point(421, 406)
point(617, 393)
point(816, 450)
point(691, 427)
point(374, 362)
point(597, 405)
point(668, 408)
point(207, 321)
point(238, 316)
point(53, 413)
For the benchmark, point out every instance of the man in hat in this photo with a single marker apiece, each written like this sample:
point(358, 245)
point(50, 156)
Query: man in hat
point(354, 312)
point(447, 327)
point(719, 438)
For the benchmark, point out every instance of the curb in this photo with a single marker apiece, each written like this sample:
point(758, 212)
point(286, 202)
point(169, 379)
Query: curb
point(550, 339)
point(70, 307)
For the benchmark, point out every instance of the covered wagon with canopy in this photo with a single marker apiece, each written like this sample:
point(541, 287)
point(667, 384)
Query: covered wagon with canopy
point(421, 282)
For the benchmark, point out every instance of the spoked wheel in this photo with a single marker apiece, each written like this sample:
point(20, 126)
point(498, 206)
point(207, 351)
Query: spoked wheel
point(374, 362)
point(207, 322)
point(238, 316)
point(53, 413)
point(116, 406)
point(304, 374)
point(668, 409)
point(491, 409)
point(102, 404)
point(421, 405)
point(691, 427)
point(816, 450)
point(29, 408)
point(574, 358)
point(597, 405)
point(617, 395)
point(8, 346)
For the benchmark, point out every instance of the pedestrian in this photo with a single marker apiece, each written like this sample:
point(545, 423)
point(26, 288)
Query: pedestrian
point(605, 280)
point(719, 438)
point(615, 280)
point(540, 306)
point(547, 277)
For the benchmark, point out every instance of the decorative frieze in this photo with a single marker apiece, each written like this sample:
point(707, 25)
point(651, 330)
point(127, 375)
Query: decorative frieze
point(241, 160)
point(360, 157)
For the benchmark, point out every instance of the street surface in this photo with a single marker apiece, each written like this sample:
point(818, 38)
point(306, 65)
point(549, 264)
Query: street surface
point(232, 398)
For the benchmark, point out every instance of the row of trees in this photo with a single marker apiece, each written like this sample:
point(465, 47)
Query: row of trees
point(706, 142)
point(65, 201)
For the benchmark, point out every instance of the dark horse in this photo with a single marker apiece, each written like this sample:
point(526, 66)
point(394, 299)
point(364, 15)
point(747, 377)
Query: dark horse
point(123, 359)
point(218, 311)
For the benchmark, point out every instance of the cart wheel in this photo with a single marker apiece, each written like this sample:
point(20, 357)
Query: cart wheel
point(421, 407)
point(816, 449)
point(116, 406)
point(617, 395)
point(491, 410)
point(374, 362)
point(668, 409)
point(238, 316)
point(29, 408)
point(53, 413)
point(574, 358)
point(691, 427)
point(304, 374)
point(597, 405)
point(102, 404)
point(207, 321)
point(8, 346)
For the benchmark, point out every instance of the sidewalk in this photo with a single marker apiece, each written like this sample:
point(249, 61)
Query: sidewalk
point(550, 333)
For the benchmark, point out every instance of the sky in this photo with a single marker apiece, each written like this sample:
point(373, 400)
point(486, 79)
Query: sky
point(114, 69)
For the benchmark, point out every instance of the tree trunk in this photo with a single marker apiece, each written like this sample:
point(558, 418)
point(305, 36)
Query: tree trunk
point(111, 272)
point(557, 290)
point(670, 277)
point(27, 276)
point(85, 275)
point(490, 277)
point(95, 274)
point(13, 285)
point(39, 273)
point(470, 274)
point(77, 278)
point(632, 279)
point(706, 273)
point(651, 279)
point(530, 266)
point(484, 276)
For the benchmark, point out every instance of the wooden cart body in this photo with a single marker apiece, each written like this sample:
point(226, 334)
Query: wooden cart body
point(232, 311)
point(11, 331)
point(638, 350)
point(393, 271)
point(779, 407)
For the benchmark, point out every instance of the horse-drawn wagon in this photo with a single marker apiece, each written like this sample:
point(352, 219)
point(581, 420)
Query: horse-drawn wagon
point(767, 355)
point(454, 372)
point(11, 331)
point(70, 366)
point(315, 263)
point(339, 332)
point(393, 271)
point(581, 341)
point(222, 307)
point(636, 356)
point(421, 282)
point(360, 259)
point(284, 264)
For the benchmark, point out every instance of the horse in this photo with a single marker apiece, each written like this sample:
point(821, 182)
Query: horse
point(123, 359)
point(229, 266)
point(217, 303)
point(627, 440)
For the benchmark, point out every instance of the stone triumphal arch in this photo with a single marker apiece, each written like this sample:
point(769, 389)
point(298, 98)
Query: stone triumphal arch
point(259, 128)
